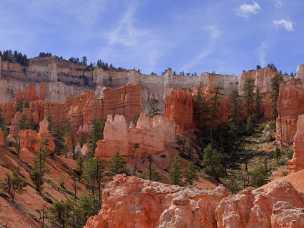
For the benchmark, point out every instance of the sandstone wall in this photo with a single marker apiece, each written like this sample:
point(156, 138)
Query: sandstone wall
point(262, 79)
point(290, 106)
point(149, 136)
point(297, 161)
point(179, 108)
point(124, 100)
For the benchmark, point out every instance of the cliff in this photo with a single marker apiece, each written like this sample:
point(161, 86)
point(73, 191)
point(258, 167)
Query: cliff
point(275, 205)
point(289, 107)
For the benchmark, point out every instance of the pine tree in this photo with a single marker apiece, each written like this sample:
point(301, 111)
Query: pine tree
point(275, 90)
point(175, 171)
point(117, 165)
point(93, 174)
point(235, 108)
point(258, 111)
point(248, 91)
point(13, 183)
point(191, 173)
point(213, 163)
point(39, 169)
point(95, 135)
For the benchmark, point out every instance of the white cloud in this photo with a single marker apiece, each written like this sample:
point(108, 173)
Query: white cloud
point(214, 34)
point(247, 9)
point(288, 25)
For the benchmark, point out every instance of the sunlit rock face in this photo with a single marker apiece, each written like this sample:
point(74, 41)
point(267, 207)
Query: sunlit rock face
point(297, 161)
point(262, 80)
point(150, 135)
point(300, 72)
point(274, 205)
point(290, 106)
point(134, 202)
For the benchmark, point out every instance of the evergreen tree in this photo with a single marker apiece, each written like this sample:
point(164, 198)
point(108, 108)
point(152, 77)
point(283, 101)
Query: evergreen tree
point(13, 183)
point(259, 176)
point(59, 214)
point(213, 163)
point(24, 123)
point(93, 174)
point(235, 108)
point(275, 90)
point(39, 169)
point(117, 165)
point(191, 173)
point(200, 110)
point(258, 110)
point(248, 91)
point(175, 171)
point(95, 135)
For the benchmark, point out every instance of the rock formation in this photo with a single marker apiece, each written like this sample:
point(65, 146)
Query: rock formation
point(290, 106)
point(297, 161)
point(179, 108)
point(134, 202)
point(125, 101)
point(274, 205)
point(261, 77)
point(300, 72)
point(149, 136)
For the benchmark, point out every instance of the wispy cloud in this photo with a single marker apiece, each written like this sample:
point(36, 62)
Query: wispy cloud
point(248, 9)
point(129, 42)
point(286, 24)
point(214, 34)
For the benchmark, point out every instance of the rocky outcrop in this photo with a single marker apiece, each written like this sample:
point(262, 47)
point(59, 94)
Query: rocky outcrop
point(262, 81)
point(148, 136)
point(125, 101)
point(297, 161)
point(179, 108)
point(261, 77)
point(274, 205)
point(2, 138)
point(133, 202)
point(300, 72)
point(290, 106)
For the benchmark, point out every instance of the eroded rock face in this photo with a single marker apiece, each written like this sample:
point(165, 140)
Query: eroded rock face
point(262, 79)
point(261, 207)
point(290, 106)
point(297, 161)
point(125, 101)
point(179, 108)
point(150, 136)
point(133, 202)
point(300, 72)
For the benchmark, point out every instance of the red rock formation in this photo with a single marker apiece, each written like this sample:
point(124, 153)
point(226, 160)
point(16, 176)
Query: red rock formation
point(133, 202)
point(179, 108)
point(32, 93)
point(125, 100)
point(262, 78)
point(149, 136)
point(290, 106)
point(297, 161)
point(2, 139)
point(268, 206)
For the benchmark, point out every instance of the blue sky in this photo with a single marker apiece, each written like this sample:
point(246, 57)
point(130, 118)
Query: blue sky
point(225, 36)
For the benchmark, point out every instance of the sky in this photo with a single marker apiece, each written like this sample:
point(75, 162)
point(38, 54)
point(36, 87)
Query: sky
point(222, 36)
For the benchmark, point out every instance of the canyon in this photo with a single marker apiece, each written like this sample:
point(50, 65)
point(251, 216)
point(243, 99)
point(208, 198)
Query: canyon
point(78, 114)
